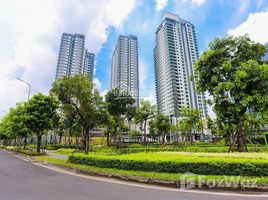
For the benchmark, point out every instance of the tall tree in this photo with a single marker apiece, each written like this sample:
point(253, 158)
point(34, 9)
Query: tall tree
point(162, 125)
point(254, 122)
point(145, 112)
point(109, 128)
point(13, 124)
point(130, 115)
point(232, 71)
point(40, 112)
point(76, 95)
point(18, 122)
point(118, 102)
point(212, 125)
point(190, 122)
point(5, 129)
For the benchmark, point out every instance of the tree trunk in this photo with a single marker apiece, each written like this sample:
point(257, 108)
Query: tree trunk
point(129, 125)
point(144, 131)
point(119, 139)
point(69, 140)
point(65, 140)
point(163, 139)
point(241, 145)
point(232, 141)
point(19, 141)
point(39, 138)
point(119, 135)
point(84, 143)
point(87, 142)
point(60, 138)
point(76, 141)
point(55, 139)
point(32, 139)
point(108, 139)
point(46, 141)
point(115, 136)
point(25, 141)
point(51, 138)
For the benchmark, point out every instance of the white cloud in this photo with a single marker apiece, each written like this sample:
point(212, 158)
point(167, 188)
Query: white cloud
point(193, 2)
point(254, 27)
point(97, 83)
point(198, 2)
point(111, 13)
point(150, 98)
point(30, 37)
point(243, 7)
point(160, 4)
point(103, 93)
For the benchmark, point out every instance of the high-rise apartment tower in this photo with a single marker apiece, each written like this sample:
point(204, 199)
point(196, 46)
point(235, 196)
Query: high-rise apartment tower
point(73, 57)
point(125, 66)
point(175, 54)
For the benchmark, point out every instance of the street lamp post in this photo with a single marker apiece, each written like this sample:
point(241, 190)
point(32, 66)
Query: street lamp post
point(29, 93)
point(29, 85)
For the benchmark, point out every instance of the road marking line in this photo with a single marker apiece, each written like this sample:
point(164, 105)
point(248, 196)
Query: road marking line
point(149, 187)
point(22, 158)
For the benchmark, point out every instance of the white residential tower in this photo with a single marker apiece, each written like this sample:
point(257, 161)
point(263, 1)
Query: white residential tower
point(175, 54)
point(125, 66)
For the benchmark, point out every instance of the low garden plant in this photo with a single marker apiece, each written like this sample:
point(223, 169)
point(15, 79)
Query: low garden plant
point(30, 152)
point(168, 162)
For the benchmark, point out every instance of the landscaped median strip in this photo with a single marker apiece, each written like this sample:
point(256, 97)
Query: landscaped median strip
point(170, 163)
point(167, 179)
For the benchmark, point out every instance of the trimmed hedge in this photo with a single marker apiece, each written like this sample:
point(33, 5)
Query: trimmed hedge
point(208, 149)
point(198, 166)
point(28, 152)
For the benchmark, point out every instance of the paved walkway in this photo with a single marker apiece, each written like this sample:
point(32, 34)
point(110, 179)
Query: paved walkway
point(53, 154)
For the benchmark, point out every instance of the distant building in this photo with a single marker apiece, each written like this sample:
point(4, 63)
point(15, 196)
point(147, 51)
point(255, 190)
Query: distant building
point(265, 58)
point(73, 57)
point(175, 54)
point(125, 66)
point(89, 64)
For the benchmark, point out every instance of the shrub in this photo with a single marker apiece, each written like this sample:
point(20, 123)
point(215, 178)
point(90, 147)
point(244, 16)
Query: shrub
point(137, 148)
point(56, 146)
point(29, 152)
point(155, 162)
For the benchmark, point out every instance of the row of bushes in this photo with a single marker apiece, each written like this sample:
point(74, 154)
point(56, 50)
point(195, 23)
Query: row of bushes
point(206, 166)
point(29, 152)
point(178, 144)
point(208, 149)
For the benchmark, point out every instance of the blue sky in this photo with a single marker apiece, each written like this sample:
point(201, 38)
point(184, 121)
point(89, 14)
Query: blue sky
point(212, 19)
point(31, 30)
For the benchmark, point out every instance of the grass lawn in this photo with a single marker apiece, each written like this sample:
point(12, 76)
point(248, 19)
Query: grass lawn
point(65, 151)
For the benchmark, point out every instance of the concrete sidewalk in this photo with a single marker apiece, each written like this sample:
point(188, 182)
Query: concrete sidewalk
point(53, 154)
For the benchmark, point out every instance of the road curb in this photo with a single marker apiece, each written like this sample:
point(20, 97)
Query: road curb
point(158, 182)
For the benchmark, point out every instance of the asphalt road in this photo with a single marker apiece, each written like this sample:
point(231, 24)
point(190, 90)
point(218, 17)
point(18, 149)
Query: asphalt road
point(20, 180)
